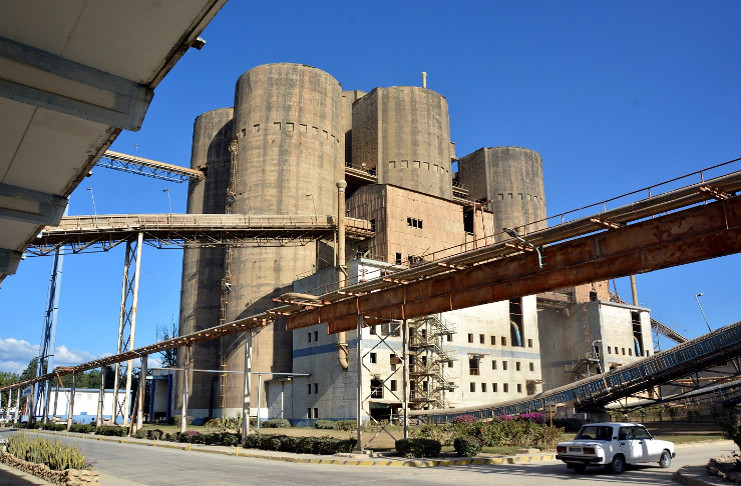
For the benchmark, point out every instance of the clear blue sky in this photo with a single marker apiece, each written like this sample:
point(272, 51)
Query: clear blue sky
point(615, 96)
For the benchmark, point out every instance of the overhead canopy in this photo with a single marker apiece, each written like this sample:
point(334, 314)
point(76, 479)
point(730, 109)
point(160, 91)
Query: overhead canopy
point(73, 74)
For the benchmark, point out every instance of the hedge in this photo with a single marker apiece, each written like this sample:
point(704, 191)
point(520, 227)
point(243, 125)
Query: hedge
point(275, 423)
point(301, 445)
point(467, 446)
point(418, 447)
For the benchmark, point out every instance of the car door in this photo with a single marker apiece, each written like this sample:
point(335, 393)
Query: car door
point(632, 448)
point(651, 450)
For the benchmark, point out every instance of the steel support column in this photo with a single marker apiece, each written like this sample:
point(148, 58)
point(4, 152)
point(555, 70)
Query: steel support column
point(246, 389)
point(186, 392)
point(101, 397)
point(360, 384)
point(142, 392)
point(71, 404)
point(405, 375)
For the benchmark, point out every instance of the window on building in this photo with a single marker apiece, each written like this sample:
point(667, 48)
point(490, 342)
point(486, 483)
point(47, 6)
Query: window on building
point(393, 385)
point(372, 330)
point(393, 361)
point(449, 338)
point(376, 388)
point(472, 387)
point(395, 328)
point(494, 387)
point(532, 366)
point(482, 339)
point(519, 388)
point(398, 258)
point(309, 336)
point(308, 413)
point(450, 363)
point(414, 223)
point(308, 385)
point(504, 341)
point(529, 343)
point(609, 349)
point(504, 365)
point(493, 340)
point(316, 335)
point(515, 321)
point(470, 338)
point(483, 388)
point(630, 352)
point(316, 413)
point(289, 126)
point(493, 364)
point(276, 125)
point(373, 357)
point(505, 387)
point(623, 351)
point(635, 318)
point(473, 366)
point(256, 128)
point(517, 366)
point(316, 387)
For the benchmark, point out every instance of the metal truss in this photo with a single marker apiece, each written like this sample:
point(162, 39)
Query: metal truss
point(148, 168)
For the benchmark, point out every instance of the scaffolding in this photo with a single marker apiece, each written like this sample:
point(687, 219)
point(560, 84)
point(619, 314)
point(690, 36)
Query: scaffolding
point(428, 359)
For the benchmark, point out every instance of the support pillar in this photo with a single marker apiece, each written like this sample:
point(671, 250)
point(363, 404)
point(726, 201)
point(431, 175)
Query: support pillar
point(30, 407)
point(247, 385)
point(101, 397)
point(71, 406)
point(186, 392)
point(10, 403)
point(56, 398)
point(142, 392)
point(132, 326)
point(405, 375)
point(360, 383)
point(18, 404)
point(47, 399)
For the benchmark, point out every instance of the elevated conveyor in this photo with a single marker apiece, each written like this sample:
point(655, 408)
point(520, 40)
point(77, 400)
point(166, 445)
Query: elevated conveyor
point(594, 393)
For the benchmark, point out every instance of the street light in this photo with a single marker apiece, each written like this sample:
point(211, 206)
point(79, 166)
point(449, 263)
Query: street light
point(697, 298)
point(511, 232)
point(169, 201)
point(95, 211)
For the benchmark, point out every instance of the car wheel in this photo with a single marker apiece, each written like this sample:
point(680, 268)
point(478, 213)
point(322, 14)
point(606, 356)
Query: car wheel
point(666, 459)
point(617, 466)
point(580, 468)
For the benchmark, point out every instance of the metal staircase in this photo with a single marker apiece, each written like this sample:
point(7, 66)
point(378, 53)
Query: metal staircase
point(428, 359)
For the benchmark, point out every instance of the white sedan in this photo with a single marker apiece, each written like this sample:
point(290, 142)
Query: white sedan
point(614, 445)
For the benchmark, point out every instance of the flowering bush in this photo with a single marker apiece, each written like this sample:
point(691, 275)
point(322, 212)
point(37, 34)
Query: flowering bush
point(464, 419)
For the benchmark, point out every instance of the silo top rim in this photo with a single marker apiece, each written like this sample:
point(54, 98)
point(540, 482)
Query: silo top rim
point(290, 64)
point(419, 88)
point(512, 147)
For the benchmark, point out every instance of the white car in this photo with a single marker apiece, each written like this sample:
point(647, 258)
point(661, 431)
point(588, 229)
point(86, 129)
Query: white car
point(614, 445)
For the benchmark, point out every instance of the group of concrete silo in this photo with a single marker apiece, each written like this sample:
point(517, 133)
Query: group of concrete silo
point(292, 131)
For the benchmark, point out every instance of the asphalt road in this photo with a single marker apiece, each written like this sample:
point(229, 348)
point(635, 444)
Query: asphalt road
point(132, 465)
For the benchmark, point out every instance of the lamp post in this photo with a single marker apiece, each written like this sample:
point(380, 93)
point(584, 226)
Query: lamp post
point(697, 298)
point(169, 202)
point(511, 232)
point(95, 211)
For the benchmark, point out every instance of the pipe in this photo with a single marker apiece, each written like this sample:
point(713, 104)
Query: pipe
point(342, 352)
point(424, 79)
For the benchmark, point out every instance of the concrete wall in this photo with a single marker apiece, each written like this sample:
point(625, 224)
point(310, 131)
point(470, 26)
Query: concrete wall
point(203, 268)
point(404, 132)
point(512, 178)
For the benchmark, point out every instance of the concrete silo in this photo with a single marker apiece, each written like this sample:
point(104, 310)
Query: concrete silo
point(290, 155)
point(404, 133)
point(203, 268)
point(512, 178)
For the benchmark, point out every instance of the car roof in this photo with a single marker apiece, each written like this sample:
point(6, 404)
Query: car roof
point(614, 424)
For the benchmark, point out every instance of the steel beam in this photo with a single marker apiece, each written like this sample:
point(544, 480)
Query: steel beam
point(691, 235)
point(40, 78)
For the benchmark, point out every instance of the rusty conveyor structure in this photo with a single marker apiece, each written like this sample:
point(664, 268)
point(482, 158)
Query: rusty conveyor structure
point(635, 238)
point(80, 233)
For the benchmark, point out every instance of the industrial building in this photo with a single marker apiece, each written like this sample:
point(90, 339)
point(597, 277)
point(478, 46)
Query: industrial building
point(296, 144)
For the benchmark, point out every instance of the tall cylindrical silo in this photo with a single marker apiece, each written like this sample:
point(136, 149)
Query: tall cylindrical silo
point(290, 154)
point(203, 268)
point(512, 178)
point(404, 133)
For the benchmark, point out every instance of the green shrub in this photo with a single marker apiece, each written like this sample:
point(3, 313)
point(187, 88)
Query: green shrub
point(54, 426)
point(325, 424)
point(141, 434)
point(467, 446)
point(229, 439)
point(346, 425)
point(418, 447)
point(275, 423)
point(113, 430)
point(82, 428)
point(271, 442)
point(155, 434)
point(253, 441)
point(52, 453)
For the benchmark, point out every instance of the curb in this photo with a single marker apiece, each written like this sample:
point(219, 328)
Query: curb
point(241, 452)
point(697, 476)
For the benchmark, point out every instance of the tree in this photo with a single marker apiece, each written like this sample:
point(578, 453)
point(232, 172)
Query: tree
point(30, 371)
point(7, 378)
point(169, 357)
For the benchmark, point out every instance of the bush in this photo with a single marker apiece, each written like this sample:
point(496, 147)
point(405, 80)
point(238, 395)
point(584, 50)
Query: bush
point(113, 430)
point(54, 426)
point(82, 428)
point(467, 446)
point(271, 442)
point(464, 419)
point(346, 425)
point(155, 434)
point(418, 447)
point(229, 439)
point(275, 423)
point(325, 424)
point(54, 454)
point(253, 441)
point(141, 434)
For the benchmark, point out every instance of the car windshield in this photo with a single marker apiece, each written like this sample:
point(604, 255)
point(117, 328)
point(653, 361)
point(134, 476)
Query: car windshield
point(595, 432)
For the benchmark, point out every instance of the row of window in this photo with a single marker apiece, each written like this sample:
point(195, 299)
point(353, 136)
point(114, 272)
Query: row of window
point(291, 127)
point(474, 365)
point(492, 340)
point(312, 413)
point(494, 387)
point(618, 351)
point(416, 164)
point(314, 334)
point(312, 386)
point(520, 196)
